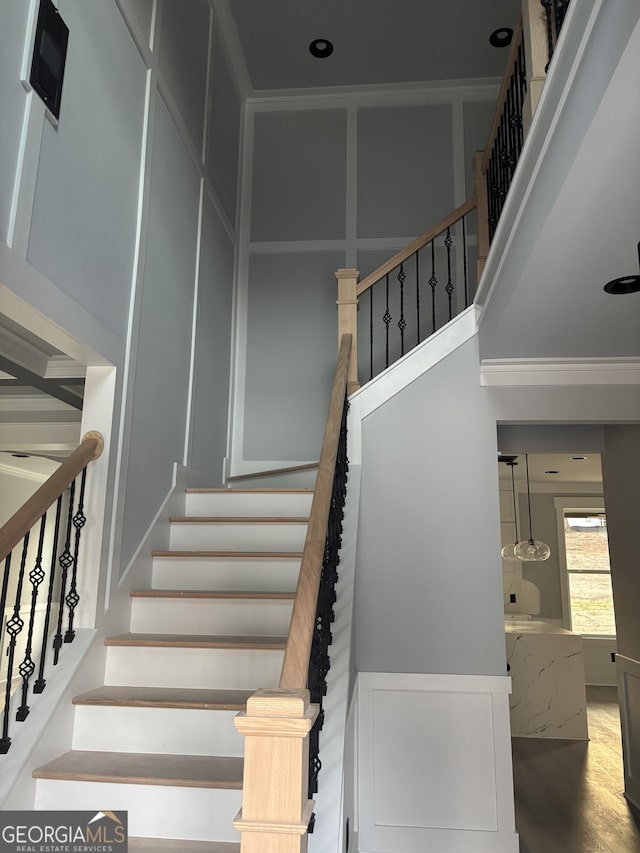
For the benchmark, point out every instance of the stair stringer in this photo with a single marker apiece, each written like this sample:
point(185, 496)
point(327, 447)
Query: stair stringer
point(406, 370)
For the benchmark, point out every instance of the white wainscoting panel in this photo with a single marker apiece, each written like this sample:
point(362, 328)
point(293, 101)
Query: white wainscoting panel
point(434, 764)
point(629, 697)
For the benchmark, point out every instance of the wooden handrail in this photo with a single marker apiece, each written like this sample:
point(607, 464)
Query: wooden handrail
point(416, 245)
point(504, 88)
point(34, 508)
point(298, 650)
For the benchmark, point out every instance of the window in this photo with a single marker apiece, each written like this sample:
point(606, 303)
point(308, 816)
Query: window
point(587, 553)
point(589, 597)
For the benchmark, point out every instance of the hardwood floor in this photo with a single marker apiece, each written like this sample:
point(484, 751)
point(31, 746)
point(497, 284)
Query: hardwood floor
point(568, 794)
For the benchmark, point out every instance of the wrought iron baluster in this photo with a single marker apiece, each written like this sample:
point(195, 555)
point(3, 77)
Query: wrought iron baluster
point(547, 4)
point(27, 667)
point(433, 283)
point(320, 662)
point(371, 333)
point(40, 683)
point(72, 599)
point(464, 257)
point(66, 562)
point(13, 628)
point(387, 321)
point(5, 741)
point(417, 298)
point(402, 323)
point(448, 242)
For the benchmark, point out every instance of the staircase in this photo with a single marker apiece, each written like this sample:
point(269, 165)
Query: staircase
point(158, 739)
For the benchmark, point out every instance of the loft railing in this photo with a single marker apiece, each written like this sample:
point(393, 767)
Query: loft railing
point(40, 548)
point(433, 279)
point(279, 771)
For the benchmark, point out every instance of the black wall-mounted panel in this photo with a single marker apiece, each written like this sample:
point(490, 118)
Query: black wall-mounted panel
point(49, 56)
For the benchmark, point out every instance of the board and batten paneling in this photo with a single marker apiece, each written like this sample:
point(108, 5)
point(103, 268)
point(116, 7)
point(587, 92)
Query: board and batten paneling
point(223, 134)
point(164, 344)
point(434, 764)
point(405, 169)
point(83, 227)
point(183, 55)
point(299, 176)
point(291, 353)
point(13, 27)
point(213, 349)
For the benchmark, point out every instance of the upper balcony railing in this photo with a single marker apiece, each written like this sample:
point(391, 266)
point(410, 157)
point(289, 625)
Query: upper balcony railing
point(435, 277)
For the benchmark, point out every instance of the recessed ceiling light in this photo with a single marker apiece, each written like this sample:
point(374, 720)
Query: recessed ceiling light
point(552, 472)
point(321, 48)
point(624, 285)
point(577, 458)
point(21, 455)
point(501, 37)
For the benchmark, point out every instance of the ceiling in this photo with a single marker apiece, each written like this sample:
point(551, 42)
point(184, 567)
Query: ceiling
point(41, 394)
point(569, 470)
point(375, 41)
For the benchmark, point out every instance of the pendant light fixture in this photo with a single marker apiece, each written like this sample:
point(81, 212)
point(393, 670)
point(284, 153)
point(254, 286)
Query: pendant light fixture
point(531, 550)
point(508, 551)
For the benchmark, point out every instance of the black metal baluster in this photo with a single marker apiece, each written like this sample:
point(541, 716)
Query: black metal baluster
point(72, 599)
point(433, 283)
point(27, 667)
point(402, 323)
point(546, 4)
point(319, 662)
point(66, 562)
point(5, 742)
point(448, 242)
point(417, 298)
point(387, 320)
point(464, 256)
point(371, 333)
point(13, 628)
point(40, 683)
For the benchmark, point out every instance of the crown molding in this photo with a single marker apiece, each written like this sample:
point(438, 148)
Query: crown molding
point(548, 371)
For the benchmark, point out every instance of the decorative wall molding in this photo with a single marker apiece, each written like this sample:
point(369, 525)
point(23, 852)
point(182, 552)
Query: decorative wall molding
point(547, 371)
point(457, 725)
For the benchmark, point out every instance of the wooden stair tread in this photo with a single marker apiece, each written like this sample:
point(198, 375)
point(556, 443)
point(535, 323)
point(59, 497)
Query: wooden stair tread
point(240, 555)
point(165, 697)
point(245, 595)
point(197, 641)
point(180, 845)
point(229, 519)
point(136, 768)
point(255, 491)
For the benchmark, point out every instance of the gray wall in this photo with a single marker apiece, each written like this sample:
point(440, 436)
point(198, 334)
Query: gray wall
point(334, 187)
point(428, 580)
point(621, 476)
point(120, 251)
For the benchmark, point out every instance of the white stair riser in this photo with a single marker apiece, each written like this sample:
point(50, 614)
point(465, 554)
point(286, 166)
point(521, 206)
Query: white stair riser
point(227, 574)
point(244, 504)
point(154, 810)
point(201, 616)
point(173, 731)
point(237, 537)
point(233, 669)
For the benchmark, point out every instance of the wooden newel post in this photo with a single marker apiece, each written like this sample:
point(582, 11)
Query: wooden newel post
point(276, 810)
point(483, 210)
point(348, 320)
point(536, 50)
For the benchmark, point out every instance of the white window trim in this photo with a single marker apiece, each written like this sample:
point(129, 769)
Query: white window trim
point(593, 503)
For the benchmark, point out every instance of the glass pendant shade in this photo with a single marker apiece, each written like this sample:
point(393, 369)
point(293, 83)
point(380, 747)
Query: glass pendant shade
point(531, 550)
point(508, 552)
